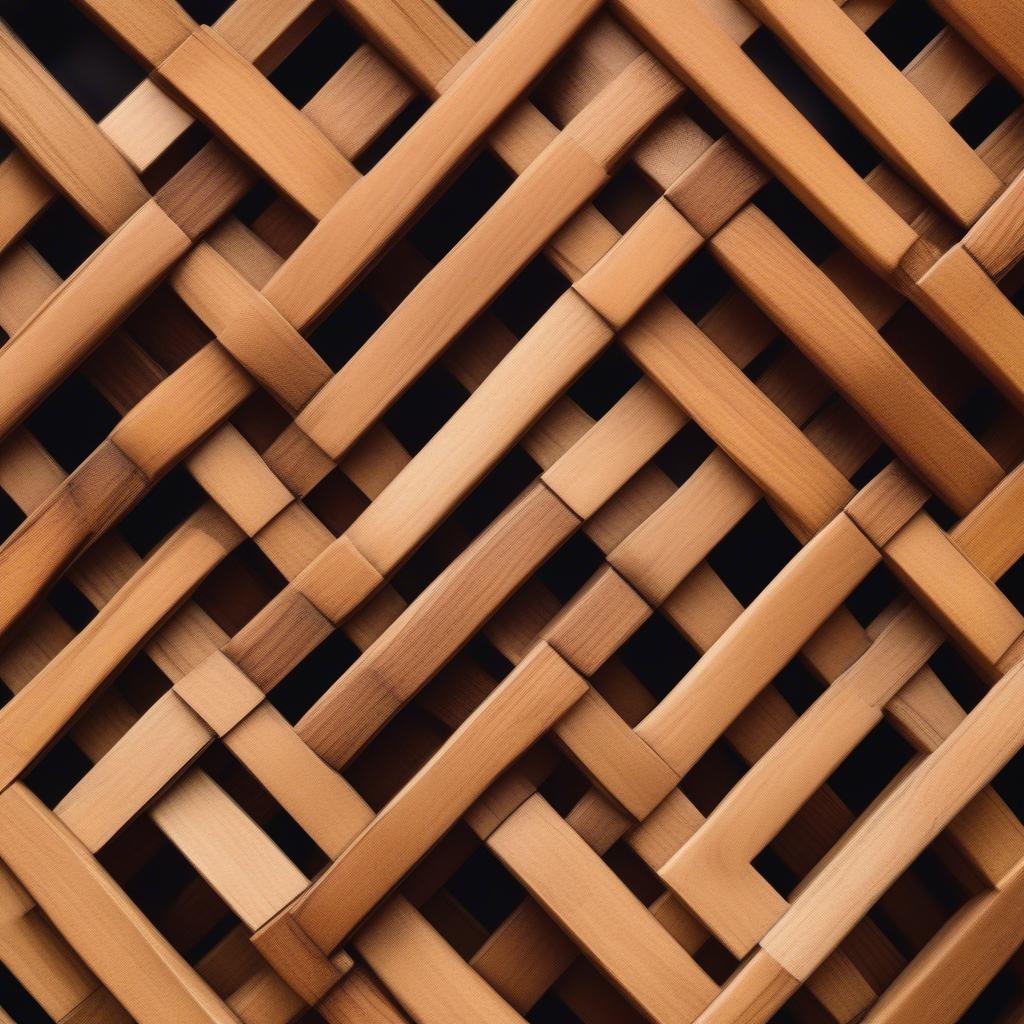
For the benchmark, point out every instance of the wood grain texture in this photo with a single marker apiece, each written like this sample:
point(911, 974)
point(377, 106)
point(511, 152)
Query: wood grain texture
point(530, 529)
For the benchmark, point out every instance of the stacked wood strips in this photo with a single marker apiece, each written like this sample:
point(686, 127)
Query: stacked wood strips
point(527, 529)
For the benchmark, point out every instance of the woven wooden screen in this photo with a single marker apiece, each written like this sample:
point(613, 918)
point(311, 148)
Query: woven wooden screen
point(525, 530)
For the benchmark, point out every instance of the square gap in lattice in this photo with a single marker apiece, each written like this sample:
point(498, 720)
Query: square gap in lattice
point(873, 595)
point(162, 510)
point(627, 197)
point(680, 457)
point(72, 422)
point(475, 17)
point(316, 59)
point(996, 102)
point(484, 888)
point(63, 237)
point(604, 382)
point(395, 754)
point(699, 285)
point(753, 553)
point(11, 516)
point(167, 330)
point(303, 686)
point(658, 655)
point(958, 676)
point(904, 30)
point(206, 12)
point(255, 800)
point(801, 226)
point(472, 193)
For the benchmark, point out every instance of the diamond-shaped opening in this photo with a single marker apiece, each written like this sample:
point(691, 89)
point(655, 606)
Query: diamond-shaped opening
point(989, 109)
point(167, 329)
point(754, 552)
point(485, 888)
point(316, 59)
point(11, 516)
point(698, 285)
point(565, 786)
point(395, 754)
point(943, 369)
point(75, 401)
point(904, 30)
point(388, 134)
point(162, 510)
point(63, 237)
point(260, 419)
point(958, 676)
point(473, 193)
point(713, 775)
point(63, 766)
point(873, 595)
point(571, 566)
point(684, 453)
point(336, 502)
point(239, 587)
point(313, 676)
point(529, 296)
point(347, 328)
point(626, 197)
point(476, 16)
point(206, 12)
point(550, 1009)
point(870, 767)
point(18, 1002)
point(799, 224)
point(658, 655)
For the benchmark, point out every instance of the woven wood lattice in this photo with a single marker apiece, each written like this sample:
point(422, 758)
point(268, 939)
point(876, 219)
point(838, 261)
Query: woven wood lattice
point(645, 550)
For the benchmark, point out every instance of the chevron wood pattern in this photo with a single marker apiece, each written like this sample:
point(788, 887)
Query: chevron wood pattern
point(513, 514)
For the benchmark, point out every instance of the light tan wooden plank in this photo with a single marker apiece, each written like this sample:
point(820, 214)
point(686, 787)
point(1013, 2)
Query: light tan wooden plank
point(600, 914)
point(225, 89)
point(118, 943)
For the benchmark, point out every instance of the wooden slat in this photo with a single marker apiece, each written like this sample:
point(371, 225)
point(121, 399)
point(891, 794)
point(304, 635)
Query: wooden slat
point(585, 897)
point(85, 308)
point(320, 520)
point(62, 139)
point(113, 937)
point(224, 88)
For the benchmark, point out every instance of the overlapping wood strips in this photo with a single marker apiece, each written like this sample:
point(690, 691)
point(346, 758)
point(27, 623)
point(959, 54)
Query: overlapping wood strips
point(608, 612)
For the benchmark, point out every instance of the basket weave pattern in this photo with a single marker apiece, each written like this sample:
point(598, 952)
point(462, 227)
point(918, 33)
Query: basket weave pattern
point(849, 417)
